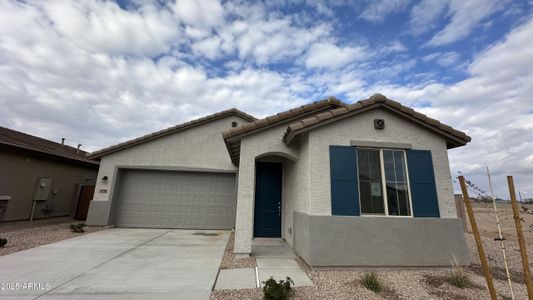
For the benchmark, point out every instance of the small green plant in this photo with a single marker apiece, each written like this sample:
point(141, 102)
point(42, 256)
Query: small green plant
point(77, 228)
point(281, 290)
point(458, 276)
point(3, 242)
point(371, 281)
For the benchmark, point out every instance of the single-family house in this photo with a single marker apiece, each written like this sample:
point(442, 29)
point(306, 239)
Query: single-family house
point(42, 178)
point(362, 184)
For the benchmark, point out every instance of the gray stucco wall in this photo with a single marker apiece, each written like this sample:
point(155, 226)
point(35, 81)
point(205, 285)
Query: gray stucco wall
point(361, 127)
point(19, 173)
point(201, 148)
point(326, 241)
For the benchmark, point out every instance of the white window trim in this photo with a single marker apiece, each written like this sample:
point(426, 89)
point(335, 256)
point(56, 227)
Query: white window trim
point(384, 187)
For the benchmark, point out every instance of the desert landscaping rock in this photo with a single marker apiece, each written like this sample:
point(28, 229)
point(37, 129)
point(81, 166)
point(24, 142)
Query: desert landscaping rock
point(230, 261)
point(426, 283)
point(23, 235)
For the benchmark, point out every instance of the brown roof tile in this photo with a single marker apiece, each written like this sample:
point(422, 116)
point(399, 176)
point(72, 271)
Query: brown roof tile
point(282, 116)
point(456, 137)
point(171, 130)
point(22, 140)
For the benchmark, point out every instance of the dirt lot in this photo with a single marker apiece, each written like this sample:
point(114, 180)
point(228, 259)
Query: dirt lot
point(22, 235)
point(484, 213)
point(427, 283)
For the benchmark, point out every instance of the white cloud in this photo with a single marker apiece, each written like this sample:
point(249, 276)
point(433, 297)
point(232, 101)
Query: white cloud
point(424, 15)
point(376, 11)
point(253, 34)
point(104, 27)
point(53, 87)
point(205, 13)
point(392, 47)
point(330, 56)
point(464, 17)
point(209, 47)
point(445, 59)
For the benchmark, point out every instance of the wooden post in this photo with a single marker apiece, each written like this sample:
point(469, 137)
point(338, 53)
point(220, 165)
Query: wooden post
point(461, 212)
point(481, 252)
point(521, 241)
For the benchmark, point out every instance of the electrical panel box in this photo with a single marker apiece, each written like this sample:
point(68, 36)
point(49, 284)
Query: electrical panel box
point(42, 188)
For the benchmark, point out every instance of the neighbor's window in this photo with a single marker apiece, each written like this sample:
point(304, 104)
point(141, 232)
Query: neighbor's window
point(383, 183)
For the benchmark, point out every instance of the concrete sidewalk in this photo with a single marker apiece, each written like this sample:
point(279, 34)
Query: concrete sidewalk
point(119, 264)
point(274, 259)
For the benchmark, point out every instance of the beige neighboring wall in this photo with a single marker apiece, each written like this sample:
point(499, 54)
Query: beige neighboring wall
point(361, 127)
point(19, 173)
point(199, 147)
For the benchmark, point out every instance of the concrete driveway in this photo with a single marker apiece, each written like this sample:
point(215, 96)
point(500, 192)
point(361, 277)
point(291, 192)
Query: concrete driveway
point(117, 264)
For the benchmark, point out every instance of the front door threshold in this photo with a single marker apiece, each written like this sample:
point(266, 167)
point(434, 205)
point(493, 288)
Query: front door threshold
point(268, 241)
point(271, 248)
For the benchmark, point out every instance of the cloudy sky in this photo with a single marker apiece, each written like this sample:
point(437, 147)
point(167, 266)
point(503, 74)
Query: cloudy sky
point(100, 72)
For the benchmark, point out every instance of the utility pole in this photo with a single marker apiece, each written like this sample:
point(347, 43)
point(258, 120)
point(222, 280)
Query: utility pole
point(500, 236)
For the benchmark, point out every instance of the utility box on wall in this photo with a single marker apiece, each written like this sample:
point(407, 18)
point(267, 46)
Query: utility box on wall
point(3, 205)
point(42, 189)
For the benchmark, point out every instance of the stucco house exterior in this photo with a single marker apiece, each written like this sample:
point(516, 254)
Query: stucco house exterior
point(363, 184)
point(47, 177)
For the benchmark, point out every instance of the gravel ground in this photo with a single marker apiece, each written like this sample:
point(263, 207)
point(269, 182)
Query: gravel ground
point(409, 284)
point(22, 235)
point(229, 261)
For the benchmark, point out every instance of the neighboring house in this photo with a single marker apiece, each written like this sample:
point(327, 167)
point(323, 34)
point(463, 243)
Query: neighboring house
point(366, 184)
point(57, 178)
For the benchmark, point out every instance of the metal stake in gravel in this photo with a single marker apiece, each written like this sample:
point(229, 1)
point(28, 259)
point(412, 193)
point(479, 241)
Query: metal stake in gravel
point(481, 252)
point(500, 237)
point(521, 241)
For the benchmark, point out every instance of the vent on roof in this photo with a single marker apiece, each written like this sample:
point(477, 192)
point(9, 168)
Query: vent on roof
point(234, 124)
point(379, 123)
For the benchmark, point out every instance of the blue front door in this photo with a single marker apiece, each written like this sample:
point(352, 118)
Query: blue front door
point(267, 220)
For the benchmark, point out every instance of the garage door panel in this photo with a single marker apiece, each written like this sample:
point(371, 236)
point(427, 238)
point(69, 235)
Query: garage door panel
point(165, 199)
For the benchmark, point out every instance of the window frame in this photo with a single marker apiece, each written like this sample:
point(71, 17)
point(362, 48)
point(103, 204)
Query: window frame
point(384, 184)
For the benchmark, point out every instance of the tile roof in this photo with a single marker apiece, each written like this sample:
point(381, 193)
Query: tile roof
point(232, 136)
point(282, 116)
point(25, 141)
point(455, 137)
point(170, 130)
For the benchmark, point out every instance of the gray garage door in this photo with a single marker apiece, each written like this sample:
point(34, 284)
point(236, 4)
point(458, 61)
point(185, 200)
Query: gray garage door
point(166, 199)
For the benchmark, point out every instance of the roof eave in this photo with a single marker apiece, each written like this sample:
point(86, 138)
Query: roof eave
point(50, 155)
point(451, 140)
point(226, 135)
point(169, 131)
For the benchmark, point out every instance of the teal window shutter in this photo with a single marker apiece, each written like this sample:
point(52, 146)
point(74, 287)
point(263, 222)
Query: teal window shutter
point(344, 184)
point(422, 183)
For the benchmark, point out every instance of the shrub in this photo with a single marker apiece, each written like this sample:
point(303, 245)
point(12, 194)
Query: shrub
point(78, 228)
point(281, 290)
point(371, 281)
point(458, 277)
point(3, 242)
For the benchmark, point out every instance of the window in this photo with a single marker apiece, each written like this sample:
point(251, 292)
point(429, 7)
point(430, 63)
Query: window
point(383, 182)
